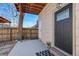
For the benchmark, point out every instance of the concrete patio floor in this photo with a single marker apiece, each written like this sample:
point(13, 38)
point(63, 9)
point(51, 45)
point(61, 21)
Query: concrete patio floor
point(27, 48)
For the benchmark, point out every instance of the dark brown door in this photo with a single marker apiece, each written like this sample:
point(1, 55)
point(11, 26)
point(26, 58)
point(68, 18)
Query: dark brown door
point(63, 28)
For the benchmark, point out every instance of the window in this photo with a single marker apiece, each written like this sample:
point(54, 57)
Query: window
point(63, 15)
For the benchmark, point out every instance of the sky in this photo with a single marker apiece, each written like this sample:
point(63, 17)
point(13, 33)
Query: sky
point(29, 20)
point(9, 12)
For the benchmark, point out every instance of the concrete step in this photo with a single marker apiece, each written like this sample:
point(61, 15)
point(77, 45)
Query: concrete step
point(57, 52)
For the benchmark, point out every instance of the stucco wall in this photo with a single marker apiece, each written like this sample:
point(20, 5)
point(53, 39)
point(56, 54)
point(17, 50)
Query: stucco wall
point(46, 23)
point(77, 27)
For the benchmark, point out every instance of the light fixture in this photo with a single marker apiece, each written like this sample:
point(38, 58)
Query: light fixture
point(59, 5)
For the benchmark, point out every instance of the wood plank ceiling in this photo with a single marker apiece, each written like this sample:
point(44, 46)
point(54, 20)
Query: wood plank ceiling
point(32, 8)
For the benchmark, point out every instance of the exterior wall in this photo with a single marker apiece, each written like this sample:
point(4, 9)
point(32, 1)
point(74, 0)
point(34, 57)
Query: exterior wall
point(76, 18)
point(46, 23)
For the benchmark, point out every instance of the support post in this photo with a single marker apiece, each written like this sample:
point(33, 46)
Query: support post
point(21, 16)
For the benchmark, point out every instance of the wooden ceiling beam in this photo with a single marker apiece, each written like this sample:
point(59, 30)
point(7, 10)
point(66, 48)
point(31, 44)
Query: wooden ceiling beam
point(30, 7)
point(32, 11)
point(20, 7)
point(38, 5)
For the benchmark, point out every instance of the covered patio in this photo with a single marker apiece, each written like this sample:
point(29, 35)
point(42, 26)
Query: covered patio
point(32, 8)
point(34, 43)
point(58, 30)
point(38, 8)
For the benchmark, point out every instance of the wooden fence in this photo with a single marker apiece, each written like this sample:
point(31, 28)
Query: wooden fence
point(4, 34)
point(12, 34)
point(30, 33)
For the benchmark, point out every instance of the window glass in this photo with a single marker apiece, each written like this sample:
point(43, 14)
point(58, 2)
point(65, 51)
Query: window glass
point(63, 15)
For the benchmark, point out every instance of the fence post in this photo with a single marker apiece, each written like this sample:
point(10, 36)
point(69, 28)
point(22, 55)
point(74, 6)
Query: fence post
point(11, 34)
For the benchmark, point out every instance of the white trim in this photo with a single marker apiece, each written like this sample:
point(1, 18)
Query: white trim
point(74, 29)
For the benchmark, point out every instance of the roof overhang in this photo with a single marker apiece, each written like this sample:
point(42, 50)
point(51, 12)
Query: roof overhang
point(32, 8)
point(3, 20)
